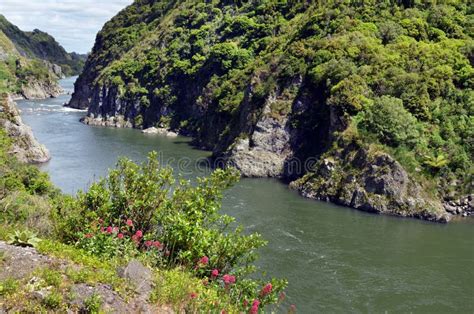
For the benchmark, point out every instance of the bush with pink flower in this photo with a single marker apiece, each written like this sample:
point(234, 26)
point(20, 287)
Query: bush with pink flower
point(141, 211)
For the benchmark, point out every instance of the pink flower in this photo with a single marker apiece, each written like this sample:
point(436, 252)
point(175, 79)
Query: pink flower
point(167, 253)
point(228, 279)
point(139, 233)
point(148, 243)
point(215, 273)
point(157, 244)
point(254, 309)
point(88, 236)
point(115, 229)
point(101, 221)
point(256, 302)
point(102, 229)
point(120, 236)
point(267, 289)
point(129, 222)
point(246, 303)
point(204, 260)
point(193, 295)
point(109, 229)
point(135, 238)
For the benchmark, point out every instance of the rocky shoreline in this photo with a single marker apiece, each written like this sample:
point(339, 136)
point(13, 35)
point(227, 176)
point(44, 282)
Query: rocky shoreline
point(25, 146)
point(462, 207)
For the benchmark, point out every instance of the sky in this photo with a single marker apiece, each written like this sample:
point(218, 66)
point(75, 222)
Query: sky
point(73, 23)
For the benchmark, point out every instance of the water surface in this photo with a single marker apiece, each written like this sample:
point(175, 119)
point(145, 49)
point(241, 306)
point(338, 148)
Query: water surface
point(337, 260)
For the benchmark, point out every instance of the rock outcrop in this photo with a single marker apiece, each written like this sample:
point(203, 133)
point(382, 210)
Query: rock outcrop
point(161, 131)
point(24, 145)
point(369, 181)
point(463, 207)
point(23, 263)
point(113, 121)
point(35, 89)
point(265, 151)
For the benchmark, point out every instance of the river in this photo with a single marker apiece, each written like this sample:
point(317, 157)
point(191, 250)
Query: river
point(336, 259)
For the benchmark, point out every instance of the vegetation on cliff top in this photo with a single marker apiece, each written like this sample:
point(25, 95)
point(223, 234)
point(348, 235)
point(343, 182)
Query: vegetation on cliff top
point(399, 72)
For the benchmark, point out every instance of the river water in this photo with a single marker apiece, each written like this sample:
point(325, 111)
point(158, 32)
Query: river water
point(336, 259)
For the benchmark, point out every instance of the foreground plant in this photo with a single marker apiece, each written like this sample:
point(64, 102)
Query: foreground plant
point(141, 211)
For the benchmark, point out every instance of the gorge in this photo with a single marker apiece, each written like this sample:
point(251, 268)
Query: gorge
point(373, 103)
point(334, 258)
point(172, 166)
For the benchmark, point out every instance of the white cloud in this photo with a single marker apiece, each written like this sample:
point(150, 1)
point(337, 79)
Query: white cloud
point(74, 23)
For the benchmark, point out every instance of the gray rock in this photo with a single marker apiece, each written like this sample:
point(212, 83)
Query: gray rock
point(372, 182)
point(25, 146)
point(161, 131)
point(265, 152)
point(139, 275)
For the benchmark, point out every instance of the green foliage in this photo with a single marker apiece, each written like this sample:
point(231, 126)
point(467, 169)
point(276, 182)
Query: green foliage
point(40, 45)
point(23, 238)
point(8, 286)
point(141, 211)
point(93, 303)
point(391, 122)
point(214, 65)
point(53, 300)
point(51, 277)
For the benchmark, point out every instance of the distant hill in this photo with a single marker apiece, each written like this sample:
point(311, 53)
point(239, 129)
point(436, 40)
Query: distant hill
point(41, 45)
point(26, 77)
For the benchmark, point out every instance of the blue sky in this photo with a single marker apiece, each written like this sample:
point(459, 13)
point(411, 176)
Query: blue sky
point(74, 23)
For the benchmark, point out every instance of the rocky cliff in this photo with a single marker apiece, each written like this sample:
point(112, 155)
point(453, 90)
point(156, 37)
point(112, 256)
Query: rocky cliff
point(24, 145)
point(275, 89)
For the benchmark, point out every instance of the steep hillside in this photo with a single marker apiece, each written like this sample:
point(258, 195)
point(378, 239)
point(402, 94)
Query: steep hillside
point(40, 45)
point(369, 106)
point(26, 78)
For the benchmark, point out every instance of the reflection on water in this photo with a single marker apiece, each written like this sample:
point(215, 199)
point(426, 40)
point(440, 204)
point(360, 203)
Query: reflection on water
point(336, 259)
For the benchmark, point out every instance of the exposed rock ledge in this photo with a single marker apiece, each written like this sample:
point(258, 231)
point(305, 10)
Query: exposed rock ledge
point(114, 121)
point(265, 152)
point(35, 89)
point(161, 131)
point(25, 146)
point(20, 263)
point(372, 182)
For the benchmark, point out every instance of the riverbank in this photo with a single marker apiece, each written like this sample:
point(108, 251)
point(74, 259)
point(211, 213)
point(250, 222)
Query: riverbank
point(335, 259)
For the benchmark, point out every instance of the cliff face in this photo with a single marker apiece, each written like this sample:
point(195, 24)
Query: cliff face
point(24, 145)
point(273, 88)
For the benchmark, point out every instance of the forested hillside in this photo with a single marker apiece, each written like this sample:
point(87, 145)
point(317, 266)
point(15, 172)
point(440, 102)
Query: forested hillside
point(24, 77)
point(378, 95)
point(40, 45)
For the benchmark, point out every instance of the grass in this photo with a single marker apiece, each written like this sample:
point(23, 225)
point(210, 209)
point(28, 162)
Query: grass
point(8, 286)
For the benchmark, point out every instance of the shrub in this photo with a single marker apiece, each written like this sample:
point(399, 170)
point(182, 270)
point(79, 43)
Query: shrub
point(390, 122)
point(142, 211)
point(30, 211)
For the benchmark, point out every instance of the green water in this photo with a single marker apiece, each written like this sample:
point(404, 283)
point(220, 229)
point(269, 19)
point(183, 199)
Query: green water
point(337, 260)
